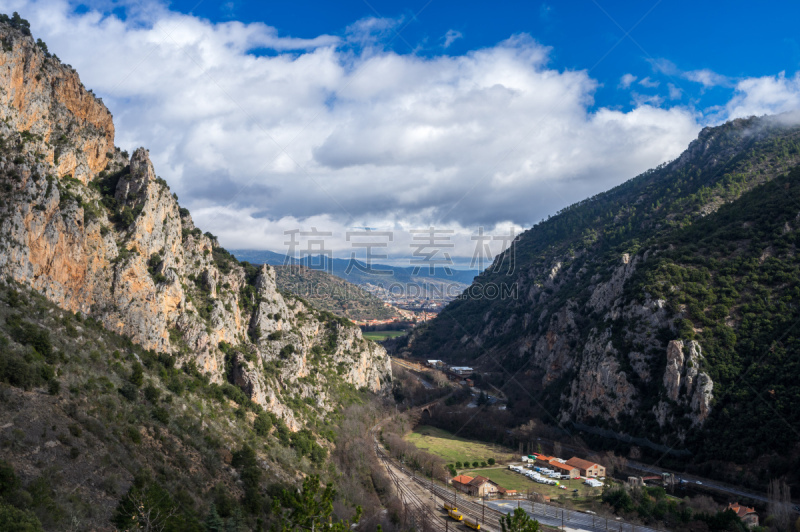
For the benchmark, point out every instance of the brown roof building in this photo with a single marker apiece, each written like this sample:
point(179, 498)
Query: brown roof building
point(747, 515)
point(483, 487)
point(506, 493)
point(587, 469)
point(565, 469)
point(461, 483)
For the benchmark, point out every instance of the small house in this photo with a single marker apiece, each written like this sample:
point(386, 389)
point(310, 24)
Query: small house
point(483, 487)
point(462, 483)
point(746, 514)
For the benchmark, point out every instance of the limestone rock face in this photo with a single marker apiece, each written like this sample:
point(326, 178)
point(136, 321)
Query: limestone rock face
point(601, 388)
point(44, 98)
point(685, 383)
point(101, 234)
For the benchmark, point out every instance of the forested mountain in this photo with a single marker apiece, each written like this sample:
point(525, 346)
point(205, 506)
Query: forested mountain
point(330, 293)
point(144, 371)
point(665, 308)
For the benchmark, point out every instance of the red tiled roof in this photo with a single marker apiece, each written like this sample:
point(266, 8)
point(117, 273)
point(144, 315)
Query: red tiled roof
point(741, 511)
point(563, 467)
point(479, 481)
point(463, 479)
point(580, 463)
point(501, 489)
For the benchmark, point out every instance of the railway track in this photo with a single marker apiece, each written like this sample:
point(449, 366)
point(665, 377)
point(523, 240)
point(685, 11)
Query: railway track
point(487, 516)
point(416, 510)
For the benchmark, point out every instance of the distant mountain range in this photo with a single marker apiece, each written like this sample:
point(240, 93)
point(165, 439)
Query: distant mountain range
point(334, 294)
point(449, 282)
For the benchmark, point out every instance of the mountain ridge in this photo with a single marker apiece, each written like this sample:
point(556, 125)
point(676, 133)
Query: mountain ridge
point(102, 235)
point(595, 338)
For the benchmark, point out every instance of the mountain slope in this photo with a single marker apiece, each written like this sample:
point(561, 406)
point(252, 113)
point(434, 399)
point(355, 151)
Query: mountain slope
point(102, 235)
point(145, 373)
point(330, 293)
point(643, 310)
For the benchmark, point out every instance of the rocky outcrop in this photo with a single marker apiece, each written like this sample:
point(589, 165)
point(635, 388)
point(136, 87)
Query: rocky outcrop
point(601, 387)
point(100, 234)
point(64, 123)
point(683, 381)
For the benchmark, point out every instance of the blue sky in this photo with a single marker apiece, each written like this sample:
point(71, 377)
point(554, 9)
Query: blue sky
point(267, 117)
point(735, 39)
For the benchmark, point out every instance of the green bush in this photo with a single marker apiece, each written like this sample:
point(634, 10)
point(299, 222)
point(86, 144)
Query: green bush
point(152, 394)
point(9, 482)
point(262, 424)
point(29, 334)
point(160, 414)
point(129, 391)
point(137, 375)
point(15, 520)
point(287, 351)
point(244, 460)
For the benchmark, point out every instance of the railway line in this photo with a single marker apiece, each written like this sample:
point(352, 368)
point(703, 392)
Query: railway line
point(425, 515)
point(415, 509)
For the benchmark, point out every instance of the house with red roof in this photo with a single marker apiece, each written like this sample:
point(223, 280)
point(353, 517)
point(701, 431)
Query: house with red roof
point(461, 483)
point(587, 469)
point(564, 469)
point(746, 514)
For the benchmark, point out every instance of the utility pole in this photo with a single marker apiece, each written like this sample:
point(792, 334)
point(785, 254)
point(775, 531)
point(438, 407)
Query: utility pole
point(483, 512)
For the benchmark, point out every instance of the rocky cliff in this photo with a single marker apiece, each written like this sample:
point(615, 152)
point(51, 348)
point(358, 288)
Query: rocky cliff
point(637, 310)
point(101, 234)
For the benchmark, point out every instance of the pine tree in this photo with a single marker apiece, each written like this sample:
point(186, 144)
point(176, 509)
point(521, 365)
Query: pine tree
point(214, 522)
point(519, 521)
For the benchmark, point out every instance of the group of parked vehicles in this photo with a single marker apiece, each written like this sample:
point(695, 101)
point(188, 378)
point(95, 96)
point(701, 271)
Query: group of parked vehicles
point(539, 474)
point(453, 512)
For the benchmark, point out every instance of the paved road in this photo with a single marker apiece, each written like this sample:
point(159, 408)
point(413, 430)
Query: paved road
point(700, 481)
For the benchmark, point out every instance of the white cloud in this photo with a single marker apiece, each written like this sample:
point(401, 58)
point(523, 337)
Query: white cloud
point(765, 95)
point(675, 93)
point(339, 132)
point(450, 37)
point(626, 80)
point(649, 83)
point(708, 78)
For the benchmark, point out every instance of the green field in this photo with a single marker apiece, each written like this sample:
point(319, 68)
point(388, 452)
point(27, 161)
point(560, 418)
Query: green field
point(454, 449)
point(377, 336)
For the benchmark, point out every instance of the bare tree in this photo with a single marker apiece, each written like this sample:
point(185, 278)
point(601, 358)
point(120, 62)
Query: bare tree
point(148, 516)
point(780, 503)
point(557, 449)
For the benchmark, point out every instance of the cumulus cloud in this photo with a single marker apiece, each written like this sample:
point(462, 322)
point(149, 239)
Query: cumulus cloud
point(765, 95)
point(258, 132)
